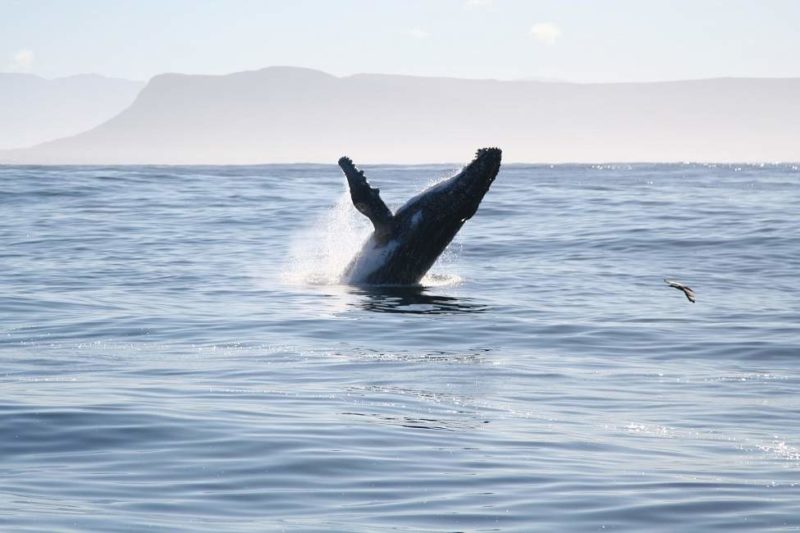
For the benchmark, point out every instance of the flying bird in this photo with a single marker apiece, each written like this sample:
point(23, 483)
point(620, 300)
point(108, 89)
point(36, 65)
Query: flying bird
point(681, 287)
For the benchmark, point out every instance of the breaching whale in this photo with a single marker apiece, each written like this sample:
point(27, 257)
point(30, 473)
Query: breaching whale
point(404, 245)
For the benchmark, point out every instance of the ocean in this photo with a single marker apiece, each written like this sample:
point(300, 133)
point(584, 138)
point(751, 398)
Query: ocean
point(177, 354)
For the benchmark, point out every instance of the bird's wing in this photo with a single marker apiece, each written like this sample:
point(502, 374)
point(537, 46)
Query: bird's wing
point(689, 294)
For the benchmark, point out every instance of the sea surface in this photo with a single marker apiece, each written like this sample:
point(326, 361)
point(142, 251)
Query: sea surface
point(177, 354)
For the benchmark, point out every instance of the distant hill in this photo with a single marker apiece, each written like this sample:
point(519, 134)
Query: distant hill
point(285, 114)
point(34, 110)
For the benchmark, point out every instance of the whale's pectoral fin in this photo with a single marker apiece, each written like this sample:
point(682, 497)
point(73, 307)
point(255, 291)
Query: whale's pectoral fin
point(365, 198)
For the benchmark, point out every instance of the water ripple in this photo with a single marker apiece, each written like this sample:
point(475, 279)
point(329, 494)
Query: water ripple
point(177, 355)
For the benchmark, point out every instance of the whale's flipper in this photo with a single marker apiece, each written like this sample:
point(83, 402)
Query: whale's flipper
point(366, 199)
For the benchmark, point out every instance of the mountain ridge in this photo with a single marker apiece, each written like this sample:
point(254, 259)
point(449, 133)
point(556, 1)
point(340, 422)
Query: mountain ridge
point(290, 114)
point(34, 109)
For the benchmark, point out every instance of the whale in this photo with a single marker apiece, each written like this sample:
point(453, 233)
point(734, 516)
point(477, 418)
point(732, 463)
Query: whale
point(404, 245)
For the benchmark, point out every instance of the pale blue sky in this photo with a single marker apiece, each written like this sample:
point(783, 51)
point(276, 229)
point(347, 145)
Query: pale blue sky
point(576, 40)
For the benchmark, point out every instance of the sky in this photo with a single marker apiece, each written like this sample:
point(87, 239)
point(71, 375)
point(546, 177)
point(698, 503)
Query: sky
point(572, 40)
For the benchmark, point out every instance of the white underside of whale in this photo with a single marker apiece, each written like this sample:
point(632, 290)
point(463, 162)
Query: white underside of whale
point(370, 259)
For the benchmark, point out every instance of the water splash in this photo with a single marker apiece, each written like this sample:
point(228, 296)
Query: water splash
point(320, 253)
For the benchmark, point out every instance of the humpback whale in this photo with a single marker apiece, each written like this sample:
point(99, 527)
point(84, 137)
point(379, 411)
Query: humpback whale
point(404, 245)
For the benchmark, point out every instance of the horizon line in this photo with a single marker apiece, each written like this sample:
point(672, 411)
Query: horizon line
point(424, 164)
point(530, 79)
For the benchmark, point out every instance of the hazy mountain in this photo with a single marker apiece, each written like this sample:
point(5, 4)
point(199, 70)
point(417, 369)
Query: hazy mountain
point(284, 114)
point(34, 110)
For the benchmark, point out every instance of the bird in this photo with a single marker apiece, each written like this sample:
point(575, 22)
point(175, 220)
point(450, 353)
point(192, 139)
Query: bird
point(681, 287)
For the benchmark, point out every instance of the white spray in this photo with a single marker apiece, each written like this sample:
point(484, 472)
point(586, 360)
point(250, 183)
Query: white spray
point(320, 254)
